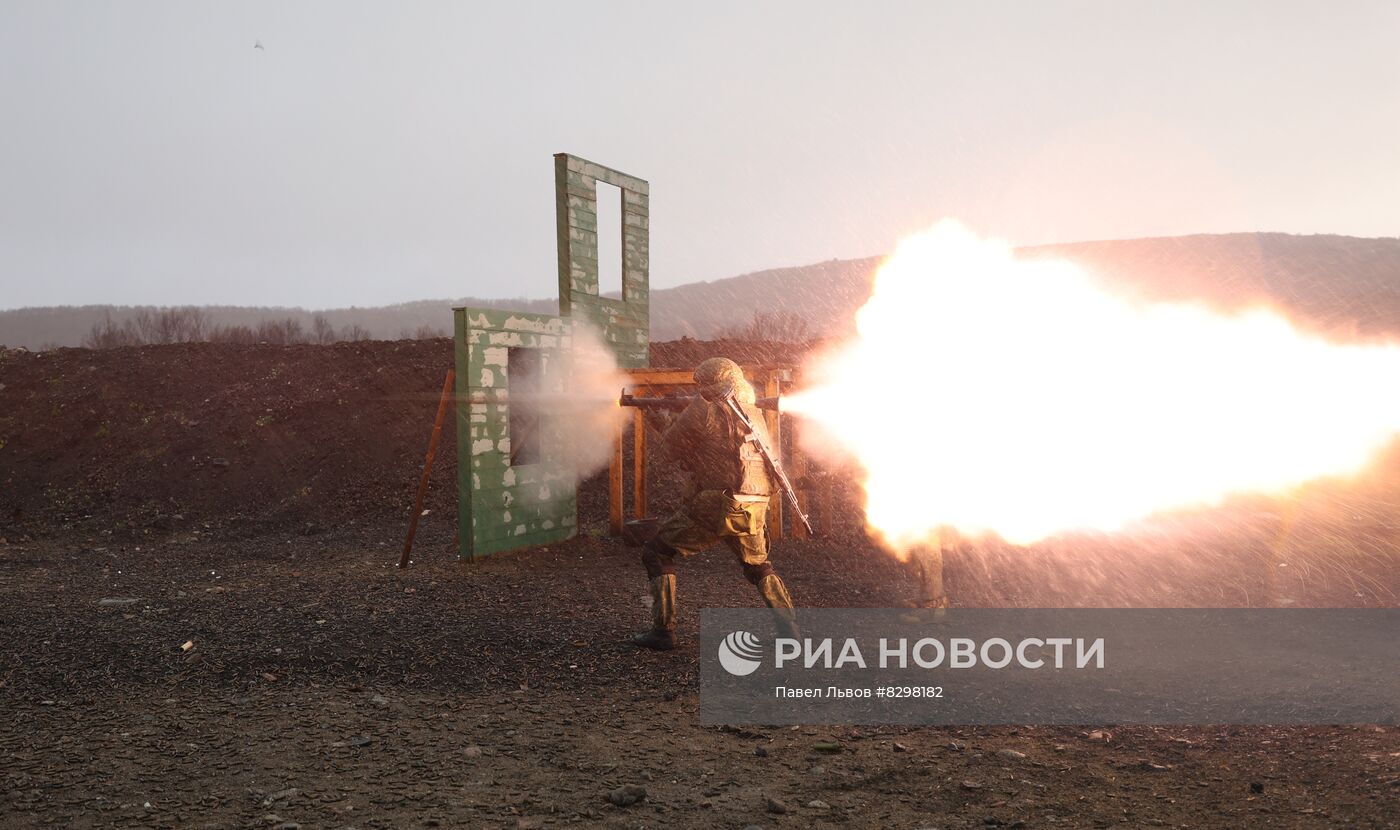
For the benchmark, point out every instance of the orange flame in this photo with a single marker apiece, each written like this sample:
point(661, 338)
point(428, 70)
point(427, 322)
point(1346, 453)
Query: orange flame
point(1020, 398)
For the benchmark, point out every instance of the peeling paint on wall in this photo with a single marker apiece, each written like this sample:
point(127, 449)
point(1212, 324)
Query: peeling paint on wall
point(509, 507)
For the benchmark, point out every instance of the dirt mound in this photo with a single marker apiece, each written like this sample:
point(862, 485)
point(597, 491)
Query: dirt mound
point(162, 436)
point(159, 438)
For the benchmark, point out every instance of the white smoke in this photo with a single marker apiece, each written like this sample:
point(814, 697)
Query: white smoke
point(589, 417)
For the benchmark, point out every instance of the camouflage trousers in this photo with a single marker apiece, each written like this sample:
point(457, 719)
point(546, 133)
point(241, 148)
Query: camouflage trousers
point(712, 517)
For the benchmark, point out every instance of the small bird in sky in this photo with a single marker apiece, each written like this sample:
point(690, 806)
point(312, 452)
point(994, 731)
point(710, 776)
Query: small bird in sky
point(257, 44)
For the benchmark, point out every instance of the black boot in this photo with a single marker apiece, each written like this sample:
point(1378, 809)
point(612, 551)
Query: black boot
point(662, 636)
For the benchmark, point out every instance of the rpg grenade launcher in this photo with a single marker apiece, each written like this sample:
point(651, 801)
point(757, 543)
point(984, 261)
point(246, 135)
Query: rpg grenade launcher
point(725, 394)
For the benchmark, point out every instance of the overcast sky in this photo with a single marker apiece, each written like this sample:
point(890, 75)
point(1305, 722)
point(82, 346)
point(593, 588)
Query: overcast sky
point(380, 152)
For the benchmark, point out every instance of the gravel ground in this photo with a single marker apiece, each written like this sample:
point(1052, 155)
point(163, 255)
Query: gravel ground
point(323, 688)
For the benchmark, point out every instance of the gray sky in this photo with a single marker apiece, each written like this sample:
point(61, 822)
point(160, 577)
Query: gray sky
point(380, 152)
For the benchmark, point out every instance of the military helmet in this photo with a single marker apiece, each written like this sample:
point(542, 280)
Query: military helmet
point(719, 378)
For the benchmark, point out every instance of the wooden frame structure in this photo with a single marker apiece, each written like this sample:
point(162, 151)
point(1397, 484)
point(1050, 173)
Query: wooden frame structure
point(767, 382)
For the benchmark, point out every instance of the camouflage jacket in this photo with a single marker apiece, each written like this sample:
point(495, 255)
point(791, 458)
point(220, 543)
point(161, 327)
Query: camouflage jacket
point(707, 441)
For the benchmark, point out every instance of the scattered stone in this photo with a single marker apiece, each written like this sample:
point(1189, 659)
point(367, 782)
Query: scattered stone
point(774, 806)
point(472, 751)
point(971, 785)
point(359, 740)
point(118, 601)
point(826, 746)
point(1100, 735)
point(379, 700)
point(1151, 767)
point(760, 752)
point(279, 796)
point(1011, 754)
point(899, 747)
point(627, 795)
point(272, 818)
point(818, 804)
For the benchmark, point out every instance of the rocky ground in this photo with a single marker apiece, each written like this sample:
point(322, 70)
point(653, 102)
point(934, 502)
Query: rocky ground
point(195, 644)
point(282, 681)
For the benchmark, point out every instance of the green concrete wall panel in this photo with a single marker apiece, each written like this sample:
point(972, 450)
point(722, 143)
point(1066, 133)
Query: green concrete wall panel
point(624, 323)
point(503, 507)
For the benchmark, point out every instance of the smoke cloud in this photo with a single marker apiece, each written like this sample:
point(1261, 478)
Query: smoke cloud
point(564, 408)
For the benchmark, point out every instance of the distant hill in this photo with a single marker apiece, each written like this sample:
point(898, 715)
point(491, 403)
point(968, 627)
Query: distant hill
point(35, 328)
point(1347, 285)
point(1344, 284)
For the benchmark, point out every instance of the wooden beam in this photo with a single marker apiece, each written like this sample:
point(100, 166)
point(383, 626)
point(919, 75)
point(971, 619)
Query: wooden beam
point(639, 464)
point(648, 376)
point(772, 388)
point(443, 403)
point(660, 377)
point(615, 506)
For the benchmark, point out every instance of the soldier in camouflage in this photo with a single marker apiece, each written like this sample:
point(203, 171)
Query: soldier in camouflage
point(726, 500)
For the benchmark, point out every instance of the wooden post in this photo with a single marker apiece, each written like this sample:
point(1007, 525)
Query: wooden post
point(427, 467)
point(797, 471)
point(772, 388)
point(639, 464)
point(615, 506)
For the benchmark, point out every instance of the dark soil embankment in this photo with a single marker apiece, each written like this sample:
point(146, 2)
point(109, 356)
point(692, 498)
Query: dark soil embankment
point(163, 437)
point(173, 437)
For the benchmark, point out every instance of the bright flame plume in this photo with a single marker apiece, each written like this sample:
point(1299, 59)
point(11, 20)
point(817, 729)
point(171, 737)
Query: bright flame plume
point(992, 394)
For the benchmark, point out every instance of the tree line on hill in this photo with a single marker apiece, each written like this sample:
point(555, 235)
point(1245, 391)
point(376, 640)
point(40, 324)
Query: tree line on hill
point(190, 324)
